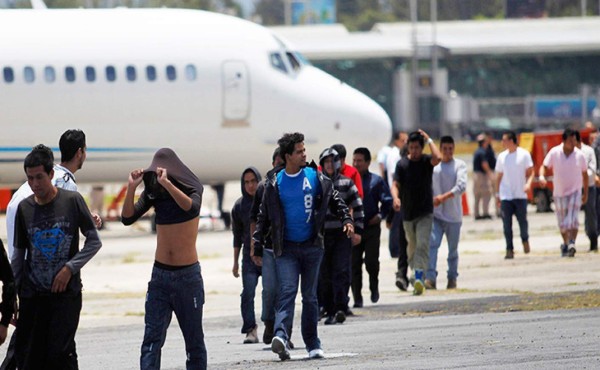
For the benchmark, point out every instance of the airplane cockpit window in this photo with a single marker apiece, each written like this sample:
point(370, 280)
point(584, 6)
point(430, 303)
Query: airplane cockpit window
point(70, 74)
point(90, 74)
point(277, 62)
point(151, 73)
point(49, 74)
point(130, 72)
point(9, 75)
point(171, 73)
point(190, 72)
point(111, 74)
point(293, 61)
point(301, 58)
point(28, 74)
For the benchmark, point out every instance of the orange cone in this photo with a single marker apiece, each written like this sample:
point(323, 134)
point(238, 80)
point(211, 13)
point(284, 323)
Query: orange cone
point(465, 205)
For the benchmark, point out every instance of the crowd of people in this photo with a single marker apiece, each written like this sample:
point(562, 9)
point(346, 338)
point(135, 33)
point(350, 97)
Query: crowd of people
point(304, 226)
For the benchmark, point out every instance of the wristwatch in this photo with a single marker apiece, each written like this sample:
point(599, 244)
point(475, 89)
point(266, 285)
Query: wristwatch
point(430, 141)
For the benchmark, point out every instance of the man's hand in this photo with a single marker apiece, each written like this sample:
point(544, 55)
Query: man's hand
point(61, 280)
point(542, 181)
point(3, 333)
point(397, 204)
point(376, 220)
point(257, 260)
point(437, 200)
point(356, 239)
point(97, 220)
point(161, 176)
point(236, 270)
point(349, 230)
point(424, 134)
point(135, 177)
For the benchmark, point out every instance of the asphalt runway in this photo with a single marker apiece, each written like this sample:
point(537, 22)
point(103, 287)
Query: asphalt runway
point(536, 311)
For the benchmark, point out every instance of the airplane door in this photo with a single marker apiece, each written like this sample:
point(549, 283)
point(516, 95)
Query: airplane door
point(236, 93)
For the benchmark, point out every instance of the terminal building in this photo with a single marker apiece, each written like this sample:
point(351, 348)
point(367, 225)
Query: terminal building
point(523, 74)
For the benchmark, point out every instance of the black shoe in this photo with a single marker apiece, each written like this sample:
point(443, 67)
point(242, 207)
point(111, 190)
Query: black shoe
point(510, 254)
point(358, 303)
point(340, 316)
point(401, 283)
point(564, 251)
point(348, 312)
point(375, 296)
point(330, 320)
point(268, 333)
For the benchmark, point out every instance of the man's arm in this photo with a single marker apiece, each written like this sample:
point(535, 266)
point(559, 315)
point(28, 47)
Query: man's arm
point(262, 225)
point(396, 195)
point(459, 186)
point(586, 188)
point(131, 212)
point(237, 228)
point(436, 156)
point(9, 295)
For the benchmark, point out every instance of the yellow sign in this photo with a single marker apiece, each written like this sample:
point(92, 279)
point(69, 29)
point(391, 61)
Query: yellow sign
point(526, 141)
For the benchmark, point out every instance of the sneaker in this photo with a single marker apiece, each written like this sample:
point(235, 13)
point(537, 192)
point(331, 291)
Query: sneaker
point(401, 283)
point(251, 336)
point(419, 285)
point(375, 296)
point(340, 317)
point(526, 248)
point(510, 254)
point(451, 284)
point(316, 354)
point(571, 249)
point(330, 320)
point(430, 284)
point(279, 347)
point(268, 333)
point(564, 251)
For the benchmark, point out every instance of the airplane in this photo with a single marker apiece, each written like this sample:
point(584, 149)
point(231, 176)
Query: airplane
point(217, 89)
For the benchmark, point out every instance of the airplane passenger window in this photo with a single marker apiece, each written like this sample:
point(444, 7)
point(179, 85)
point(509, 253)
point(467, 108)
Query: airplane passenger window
point(277, 62)
point(90, 74)
point(111, 74)
point(9, 75)
point(151, 73)
point(70, 74)
point(130, 71)
point(293, 61)
point(171, 73)
point(190, 72)
point(49, 74)
point(28, 75)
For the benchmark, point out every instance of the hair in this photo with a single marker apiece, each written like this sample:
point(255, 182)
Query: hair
point(511, 136)
point(568, 132)
point(341, 149)
point(288, 142)
point(447, 140)
point(40, 155)
point(396, 134)
point(276, 154)
point(416, 136)
point(70, 142)
point(365, 153)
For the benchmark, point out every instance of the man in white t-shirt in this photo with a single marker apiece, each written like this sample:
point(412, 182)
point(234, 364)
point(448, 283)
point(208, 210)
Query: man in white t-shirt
point(514, 174)
point(591, 214)
point(570, 174)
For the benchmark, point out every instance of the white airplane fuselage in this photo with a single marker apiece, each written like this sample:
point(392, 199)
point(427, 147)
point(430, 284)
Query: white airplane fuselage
point(218, 98)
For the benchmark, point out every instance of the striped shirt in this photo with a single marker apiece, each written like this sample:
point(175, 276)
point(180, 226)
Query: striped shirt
point(349, 193)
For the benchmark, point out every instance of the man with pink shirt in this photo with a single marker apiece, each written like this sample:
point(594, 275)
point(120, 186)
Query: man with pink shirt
point(569, 174)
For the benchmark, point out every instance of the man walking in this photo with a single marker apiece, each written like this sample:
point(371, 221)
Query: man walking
point(48, 282)
point(412, 190)
point(514, 174)
point(482, 178)
point(377, 203)
point(569, 177)
point(449, 183)
point(293, 211)
point(240, 226)
point(591, 227)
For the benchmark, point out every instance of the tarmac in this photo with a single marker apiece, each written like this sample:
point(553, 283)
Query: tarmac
point(505, 313)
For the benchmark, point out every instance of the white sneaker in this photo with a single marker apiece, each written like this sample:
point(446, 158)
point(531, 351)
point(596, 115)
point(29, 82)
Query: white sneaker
point(316, 353)
point(279, 346)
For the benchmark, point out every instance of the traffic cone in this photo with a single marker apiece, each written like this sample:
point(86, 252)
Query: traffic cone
point(465, 205)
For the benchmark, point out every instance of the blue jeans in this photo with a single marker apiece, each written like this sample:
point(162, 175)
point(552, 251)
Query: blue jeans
point(250, 275)
point(299, 260)
point(452, 231)
point(517, 207)
point(270, 286)
point(180, 291)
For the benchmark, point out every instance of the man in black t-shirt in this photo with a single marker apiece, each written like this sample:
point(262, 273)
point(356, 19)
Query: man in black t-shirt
point(413, 190)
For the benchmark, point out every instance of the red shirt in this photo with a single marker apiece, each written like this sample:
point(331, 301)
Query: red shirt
point(352, 173)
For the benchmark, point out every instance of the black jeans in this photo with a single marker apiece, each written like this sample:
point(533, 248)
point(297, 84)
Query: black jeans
point(334, 278)
point(369, 247)
point(46, 335)
point(399, 244)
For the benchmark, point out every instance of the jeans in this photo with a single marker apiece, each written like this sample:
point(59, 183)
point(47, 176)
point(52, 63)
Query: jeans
point(180, 291)
point(452, 231)
point(591, 229)
point(299, 260)
point(334, 279)
point(270, 286)
point(369, 246)
point(399, 244)
point(250, 275)
point(517, 207)
point(46, 335)
point(418, 232)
